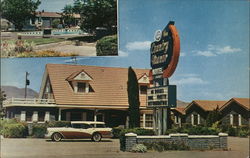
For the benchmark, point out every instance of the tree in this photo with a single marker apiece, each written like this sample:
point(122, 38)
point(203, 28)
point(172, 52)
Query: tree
point(55, 23)
point(133, 99)
point(101, 13)
point(17, 11)
point(2, 98)
point(213, 116)
point(68, 15)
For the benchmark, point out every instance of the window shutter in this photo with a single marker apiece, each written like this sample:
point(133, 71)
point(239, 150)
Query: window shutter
point(239, 119)
point(231, 119)
point(192, 119)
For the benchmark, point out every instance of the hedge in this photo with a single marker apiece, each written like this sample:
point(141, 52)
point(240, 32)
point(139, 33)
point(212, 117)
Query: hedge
point(14, 130)
point(107, 46)
point(38, 130)
point(195, 130)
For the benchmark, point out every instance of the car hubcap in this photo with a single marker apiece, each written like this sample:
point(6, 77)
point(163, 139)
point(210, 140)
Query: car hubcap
point(97, 137)
point(57, 137)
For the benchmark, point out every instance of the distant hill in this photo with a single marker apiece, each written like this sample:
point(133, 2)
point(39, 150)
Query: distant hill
point(12, 91)
point(181, 103)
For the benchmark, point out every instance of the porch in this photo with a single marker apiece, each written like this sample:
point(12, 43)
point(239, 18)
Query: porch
point(44, 110)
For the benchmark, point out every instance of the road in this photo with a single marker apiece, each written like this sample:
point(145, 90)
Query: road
point(108, 148)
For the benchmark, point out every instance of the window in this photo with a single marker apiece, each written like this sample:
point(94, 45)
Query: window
point(149, 120)
point(83, 126)
point(143, 89)
point(86, 126)
point(235, 119)
point(91, 89)
point(81, 87)
point(29, 115)
point(41, 116)
point(150, 98)
point(76, 125)
point(141, 120)
point(98, 125)
point(195, 119)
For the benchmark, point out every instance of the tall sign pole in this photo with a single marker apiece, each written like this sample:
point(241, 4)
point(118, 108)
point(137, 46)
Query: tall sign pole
point(27, 82)
point(164, 52)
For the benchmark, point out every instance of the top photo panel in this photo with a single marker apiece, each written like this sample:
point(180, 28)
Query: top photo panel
point(59, 28)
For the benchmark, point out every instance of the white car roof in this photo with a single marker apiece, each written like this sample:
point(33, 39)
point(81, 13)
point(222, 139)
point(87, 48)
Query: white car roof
point(87, 122)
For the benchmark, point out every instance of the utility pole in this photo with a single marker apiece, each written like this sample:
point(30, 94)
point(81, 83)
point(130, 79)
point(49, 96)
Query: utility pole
point(27, 82)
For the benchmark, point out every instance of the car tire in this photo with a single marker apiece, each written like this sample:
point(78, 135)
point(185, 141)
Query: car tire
point(97, 137)
point(56, 137)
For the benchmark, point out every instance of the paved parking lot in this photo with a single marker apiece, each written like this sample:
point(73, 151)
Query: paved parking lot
point(108, 148)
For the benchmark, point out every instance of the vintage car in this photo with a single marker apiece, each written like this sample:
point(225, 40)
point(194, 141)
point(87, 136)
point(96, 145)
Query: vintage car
point(80, 130)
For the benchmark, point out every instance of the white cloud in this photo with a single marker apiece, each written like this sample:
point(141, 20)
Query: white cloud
point(205, 53)
point(122, 53)
point(138, 45)
point(228, 49)
point(182, 54)
point(190, 80)
point(213, 50)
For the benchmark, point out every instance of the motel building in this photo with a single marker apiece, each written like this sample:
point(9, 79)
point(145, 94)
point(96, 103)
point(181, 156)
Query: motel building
point(92, 93)
point(82, 93)
point(234, 112)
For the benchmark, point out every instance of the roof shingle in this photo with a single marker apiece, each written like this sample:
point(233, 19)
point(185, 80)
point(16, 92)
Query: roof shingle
point(109, 84)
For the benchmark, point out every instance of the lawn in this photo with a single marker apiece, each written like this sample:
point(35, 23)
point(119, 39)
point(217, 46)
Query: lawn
point(40, 41)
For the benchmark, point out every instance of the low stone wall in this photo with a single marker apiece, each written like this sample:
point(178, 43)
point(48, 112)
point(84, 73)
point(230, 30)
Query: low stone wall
point(195, 142)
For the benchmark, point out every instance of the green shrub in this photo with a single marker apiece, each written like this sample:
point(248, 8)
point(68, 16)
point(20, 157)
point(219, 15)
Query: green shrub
point(232, 131)
point(141, 148)
point(116, 132)
point(4, 122)
point(195, 130)
point(14, 130)
point(59, 124)
point(163, 146)
point(55, 23)
point(39, 130)
point(107, 46)
point(243, 133)
point(138, 131)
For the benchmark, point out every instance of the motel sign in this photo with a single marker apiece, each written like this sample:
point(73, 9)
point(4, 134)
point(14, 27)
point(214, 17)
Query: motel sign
point(164, 54)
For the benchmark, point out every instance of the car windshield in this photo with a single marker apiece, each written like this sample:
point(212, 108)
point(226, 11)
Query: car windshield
point(98, 125)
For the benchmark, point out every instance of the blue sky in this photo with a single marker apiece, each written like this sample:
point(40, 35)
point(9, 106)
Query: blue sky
point(214, 61)
point(54, 5)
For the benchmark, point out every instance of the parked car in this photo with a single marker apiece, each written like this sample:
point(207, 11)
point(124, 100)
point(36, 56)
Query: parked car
point(80, 130)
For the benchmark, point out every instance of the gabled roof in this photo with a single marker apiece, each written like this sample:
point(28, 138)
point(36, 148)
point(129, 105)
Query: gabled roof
point(207, 105)
point(244, 102)
point(144, 79)
point(74, 75)
point(53, 14)
point(109, 84)
point(181, 110)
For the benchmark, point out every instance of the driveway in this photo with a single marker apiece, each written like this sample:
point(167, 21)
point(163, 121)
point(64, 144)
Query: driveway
point(108, 148)
point(86, 49)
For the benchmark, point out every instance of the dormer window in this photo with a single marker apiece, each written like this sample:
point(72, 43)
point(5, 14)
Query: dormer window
point(143, 84)
point(143, 89)
point(80, 82)
point(81, 87)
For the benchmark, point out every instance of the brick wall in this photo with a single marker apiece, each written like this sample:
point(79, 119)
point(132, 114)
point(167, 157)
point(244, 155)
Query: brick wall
point(195, 142)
